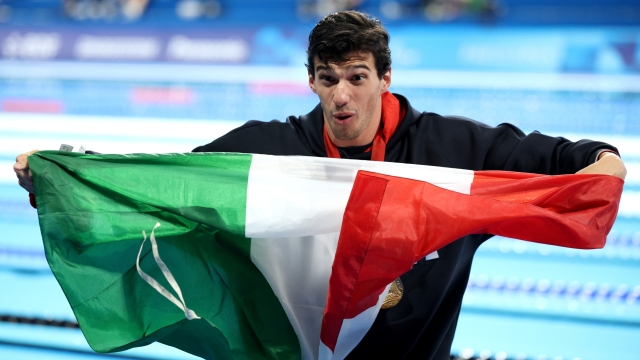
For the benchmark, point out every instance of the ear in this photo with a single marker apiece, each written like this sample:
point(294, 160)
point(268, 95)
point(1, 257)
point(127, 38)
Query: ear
point(386, 82)
point(312, 80)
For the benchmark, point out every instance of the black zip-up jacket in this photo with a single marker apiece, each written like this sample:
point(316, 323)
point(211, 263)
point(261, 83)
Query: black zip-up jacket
point(422, 324)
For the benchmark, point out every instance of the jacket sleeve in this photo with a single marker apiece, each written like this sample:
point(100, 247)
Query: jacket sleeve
point(460, 142)
point(234, 141)
point(257, 137)
point(510, 149)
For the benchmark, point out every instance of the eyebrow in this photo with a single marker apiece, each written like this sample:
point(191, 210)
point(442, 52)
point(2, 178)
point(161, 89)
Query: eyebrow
point(321, 67)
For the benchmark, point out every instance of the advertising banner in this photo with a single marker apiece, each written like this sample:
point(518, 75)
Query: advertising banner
point(586, 50)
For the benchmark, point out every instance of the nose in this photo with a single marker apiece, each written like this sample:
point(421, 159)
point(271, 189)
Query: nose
point(341, 95)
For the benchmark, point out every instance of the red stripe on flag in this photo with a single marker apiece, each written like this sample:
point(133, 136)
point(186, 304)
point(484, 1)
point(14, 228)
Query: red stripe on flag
point(357, 227)
point(416, 218)
point(591, 200)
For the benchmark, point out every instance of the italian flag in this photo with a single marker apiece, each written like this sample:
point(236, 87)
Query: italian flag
point(239, 256)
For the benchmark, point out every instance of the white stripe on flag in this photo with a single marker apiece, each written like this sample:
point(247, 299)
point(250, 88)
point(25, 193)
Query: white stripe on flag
point(298, 271)
point(311, 193)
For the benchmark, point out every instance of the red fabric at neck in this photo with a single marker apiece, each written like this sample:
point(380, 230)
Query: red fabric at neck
point(392, 113)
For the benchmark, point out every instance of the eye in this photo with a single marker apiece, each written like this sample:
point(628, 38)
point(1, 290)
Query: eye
point(358, 77)
point(327, 78)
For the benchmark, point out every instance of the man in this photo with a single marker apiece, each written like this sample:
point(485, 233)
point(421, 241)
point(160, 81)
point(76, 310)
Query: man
point(349, 68)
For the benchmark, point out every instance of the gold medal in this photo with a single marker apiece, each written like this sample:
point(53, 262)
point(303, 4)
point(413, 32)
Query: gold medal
point(395, 294)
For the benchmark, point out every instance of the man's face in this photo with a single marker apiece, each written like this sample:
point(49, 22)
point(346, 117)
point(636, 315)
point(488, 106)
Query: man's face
point(349, 94)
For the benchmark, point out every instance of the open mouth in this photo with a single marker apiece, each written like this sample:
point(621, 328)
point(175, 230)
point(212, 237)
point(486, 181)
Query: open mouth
point(342, 119)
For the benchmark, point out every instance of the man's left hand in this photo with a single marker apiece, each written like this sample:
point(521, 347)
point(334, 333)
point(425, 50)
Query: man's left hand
point(607, 164)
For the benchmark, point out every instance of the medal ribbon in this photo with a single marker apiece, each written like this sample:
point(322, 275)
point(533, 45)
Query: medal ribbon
point(392, 113)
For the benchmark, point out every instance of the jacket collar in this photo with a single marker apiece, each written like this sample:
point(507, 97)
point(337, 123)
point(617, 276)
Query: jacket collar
point(311, 127)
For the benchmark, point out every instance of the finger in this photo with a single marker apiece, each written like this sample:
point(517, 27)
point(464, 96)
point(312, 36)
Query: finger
point(23, 175)
point(22, 161)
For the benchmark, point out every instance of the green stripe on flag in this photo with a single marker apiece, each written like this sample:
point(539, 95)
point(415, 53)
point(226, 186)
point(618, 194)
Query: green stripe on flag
point(92, 211)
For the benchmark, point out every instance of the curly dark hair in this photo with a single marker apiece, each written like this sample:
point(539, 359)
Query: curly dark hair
point(344, 32)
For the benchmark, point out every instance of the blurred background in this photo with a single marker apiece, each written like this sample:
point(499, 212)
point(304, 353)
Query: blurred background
point(127, 76)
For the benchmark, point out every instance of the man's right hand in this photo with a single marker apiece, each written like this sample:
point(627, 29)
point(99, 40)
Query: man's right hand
point(21, 167)
point(608, 164)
